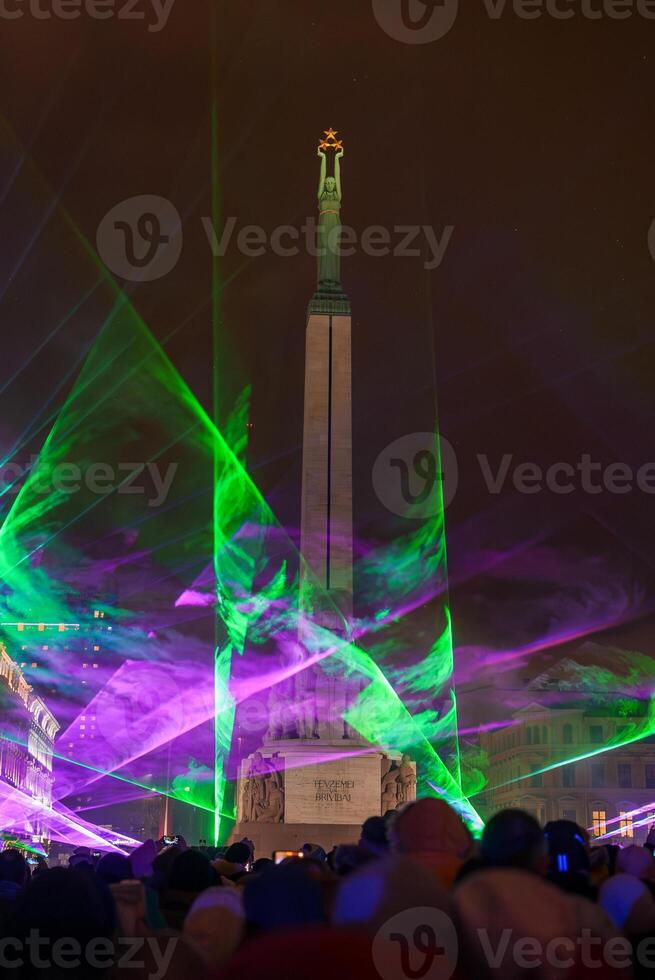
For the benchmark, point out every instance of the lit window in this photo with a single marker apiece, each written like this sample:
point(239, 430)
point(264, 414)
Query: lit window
point(96, 648)
point(599, 821)
point(626, 824)
point(96, 614)
point(21, 627)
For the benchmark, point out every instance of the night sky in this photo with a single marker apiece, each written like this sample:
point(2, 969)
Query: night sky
point(531, 138)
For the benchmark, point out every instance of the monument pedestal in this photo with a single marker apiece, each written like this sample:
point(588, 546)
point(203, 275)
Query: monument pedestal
point(271, 837)
point(329, 789)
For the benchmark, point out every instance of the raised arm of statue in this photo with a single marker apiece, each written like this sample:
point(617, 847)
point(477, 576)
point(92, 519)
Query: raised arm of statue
point(337, 172)
point(321, 181)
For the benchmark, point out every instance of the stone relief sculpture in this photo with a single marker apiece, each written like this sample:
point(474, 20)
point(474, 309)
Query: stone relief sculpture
point(263, 792)
point(389, 786)
point(282, 723)
point(406, 780)
point(398, 783)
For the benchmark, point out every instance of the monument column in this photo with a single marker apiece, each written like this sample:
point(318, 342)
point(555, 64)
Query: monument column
point(315, 778)
point(326, 531)
point(326, 526)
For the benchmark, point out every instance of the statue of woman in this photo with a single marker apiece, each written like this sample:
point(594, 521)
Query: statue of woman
point(329, 223)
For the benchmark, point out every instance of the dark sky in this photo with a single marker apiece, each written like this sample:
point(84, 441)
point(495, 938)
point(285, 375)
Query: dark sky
point(532, 138)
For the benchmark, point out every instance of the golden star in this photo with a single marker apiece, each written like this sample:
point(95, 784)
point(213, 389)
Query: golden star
point(338, 145)
point(331, 133)
point(324, 145)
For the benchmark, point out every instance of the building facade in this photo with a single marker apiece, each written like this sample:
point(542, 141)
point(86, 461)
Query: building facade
point(26, 740)
point(599, 789)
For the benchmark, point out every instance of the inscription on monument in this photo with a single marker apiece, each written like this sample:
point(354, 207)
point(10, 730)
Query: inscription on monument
point(334, 790)
point(345, 791)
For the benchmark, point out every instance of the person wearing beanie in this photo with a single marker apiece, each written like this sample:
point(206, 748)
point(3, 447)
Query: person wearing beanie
point(434, 835)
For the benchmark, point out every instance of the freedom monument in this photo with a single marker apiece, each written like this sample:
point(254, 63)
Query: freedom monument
point(315, 778)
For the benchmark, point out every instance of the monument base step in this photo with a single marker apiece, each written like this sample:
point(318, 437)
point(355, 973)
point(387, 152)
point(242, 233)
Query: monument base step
point(271, 837)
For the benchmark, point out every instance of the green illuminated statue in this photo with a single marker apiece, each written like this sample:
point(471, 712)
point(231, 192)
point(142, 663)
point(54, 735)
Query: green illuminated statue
point(329, 208)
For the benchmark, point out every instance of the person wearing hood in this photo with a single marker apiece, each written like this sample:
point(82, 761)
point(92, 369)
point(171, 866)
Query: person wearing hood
point(14, 875)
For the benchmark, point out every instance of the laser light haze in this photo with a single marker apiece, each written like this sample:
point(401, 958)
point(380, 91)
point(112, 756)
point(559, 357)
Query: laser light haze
point(150, 694)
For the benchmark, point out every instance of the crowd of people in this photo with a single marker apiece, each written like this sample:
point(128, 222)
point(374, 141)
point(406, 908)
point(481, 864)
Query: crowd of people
point(416, 897)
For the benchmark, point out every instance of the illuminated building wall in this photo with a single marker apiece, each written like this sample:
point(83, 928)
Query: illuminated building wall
point(607, 780)
point(28, 733)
